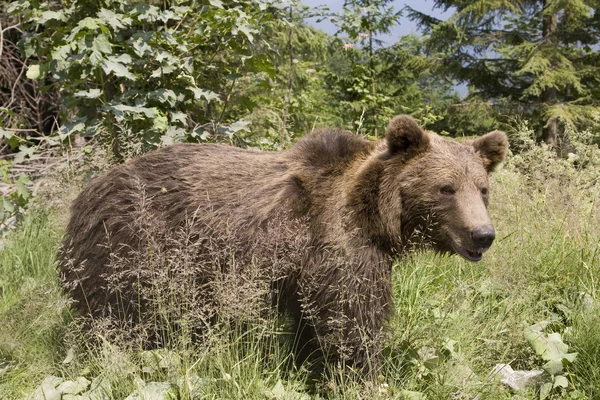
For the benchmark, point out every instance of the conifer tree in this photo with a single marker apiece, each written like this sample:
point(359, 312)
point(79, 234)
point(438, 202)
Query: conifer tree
point(538, 57)
point(364, 20)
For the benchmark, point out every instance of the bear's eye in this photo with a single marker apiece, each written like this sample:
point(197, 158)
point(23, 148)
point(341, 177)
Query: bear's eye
point(484, 191)
point(447, 189)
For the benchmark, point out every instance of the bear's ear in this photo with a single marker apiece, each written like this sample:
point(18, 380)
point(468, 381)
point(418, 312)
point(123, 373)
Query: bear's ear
point(405, 136)
point(492, 148)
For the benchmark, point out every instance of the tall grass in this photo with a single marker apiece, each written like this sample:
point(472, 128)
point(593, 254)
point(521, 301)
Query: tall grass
point(454, 320)
point(33, 312)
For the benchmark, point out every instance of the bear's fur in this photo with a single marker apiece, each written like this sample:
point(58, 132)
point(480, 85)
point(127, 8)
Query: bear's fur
point(321, 220)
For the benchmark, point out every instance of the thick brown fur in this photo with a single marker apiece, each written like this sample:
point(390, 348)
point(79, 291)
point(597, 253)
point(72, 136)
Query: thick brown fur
point(323, 220)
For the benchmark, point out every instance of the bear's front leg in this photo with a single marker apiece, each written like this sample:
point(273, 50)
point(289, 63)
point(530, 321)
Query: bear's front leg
point(347, 300)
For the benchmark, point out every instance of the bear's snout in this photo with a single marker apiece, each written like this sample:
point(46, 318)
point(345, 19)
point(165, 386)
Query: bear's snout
point(483, 237)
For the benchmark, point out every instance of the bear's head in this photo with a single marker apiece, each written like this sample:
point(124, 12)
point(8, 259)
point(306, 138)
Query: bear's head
point(434, 190)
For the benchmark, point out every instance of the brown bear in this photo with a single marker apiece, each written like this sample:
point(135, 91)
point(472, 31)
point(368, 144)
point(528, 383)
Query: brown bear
point(322, 221)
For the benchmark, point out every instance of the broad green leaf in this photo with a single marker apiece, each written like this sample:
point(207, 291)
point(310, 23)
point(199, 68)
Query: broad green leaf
point(29, 46)
point(52, 15)
point(26, 152)
point(4, 134)
point(160, 122)
point(114, 20)
point(89, 94)
point(179, 117)
point(560, 381)
point(70, 128)
point(22, 190)
point(120, 109)
point(18, 6)
point(239, 126)
point(60, 55)
point(545, 390)
point(8, 205)
point(550, 347)
point(280, 392)
point(86, 26)
point(88, 23)
point(146, 12)
point(553, 367)
point(77, 386)
point(33, 72)
point(102, 44)
point(116, 67)
point(141, 47)
point(164, 70)
point(164, 96)
point(207, 94)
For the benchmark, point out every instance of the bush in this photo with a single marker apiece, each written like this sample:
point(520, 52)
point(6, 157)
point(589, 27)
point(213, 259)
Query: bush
point(138, 75)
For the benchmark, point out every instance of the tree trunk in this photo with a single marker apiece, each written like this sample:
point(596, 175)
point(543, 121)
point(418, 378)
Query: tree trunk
point(550, 95)
point(550, 130)
point(288, 100)
point(373, 91)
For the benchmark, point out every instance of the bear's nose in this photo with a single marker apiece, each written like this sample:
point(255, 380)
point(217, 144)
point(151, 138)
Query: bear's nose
point(483, 237)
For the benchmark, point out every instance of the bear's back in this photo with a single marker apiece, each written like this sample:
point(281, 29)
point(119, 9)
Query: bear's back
point(330, 148)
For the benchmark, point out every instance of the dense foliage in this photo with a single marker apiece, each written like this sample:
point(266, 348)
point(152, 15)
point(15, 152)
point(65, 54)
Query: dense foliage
point(537, 58)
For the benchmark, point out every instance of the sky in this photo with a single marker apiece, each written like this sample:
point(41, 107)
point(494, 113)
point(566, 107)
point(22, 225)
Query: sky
point(404, 27)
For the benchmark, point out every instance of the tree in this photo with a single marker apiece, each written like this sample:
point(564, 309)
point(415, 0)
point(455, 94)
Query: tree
point(137, 75)
point(363, 20)
point(536, 57)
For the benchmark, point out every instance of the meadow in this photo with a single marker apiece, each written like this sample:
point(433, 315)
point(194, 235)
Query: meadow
point(531, 305)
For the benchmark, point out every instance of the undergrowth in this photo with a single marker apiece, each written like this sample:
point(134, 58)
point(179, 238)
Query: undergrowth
point(454, 321)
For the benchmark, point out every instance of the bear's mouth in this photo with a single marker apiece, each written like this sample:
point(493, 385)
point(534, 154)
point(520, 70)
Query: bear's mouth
point(466, 254)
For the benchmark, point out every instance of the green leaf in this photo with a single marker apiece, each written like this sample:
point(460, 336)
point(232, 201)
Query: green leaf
point(70, 128)
point(560, 381)
point(33, 72)
point(146, 12)
point(52, 15)
point(207, 94)
point(163, 70)
point(8, 205)
point(179, 117)
point(141, 46)
point(114, 20)
point(22, 190)
point(553, 367)
point(550, 347)
point(113, 64)
point(121, 109)
point(102, 44)
point(4, 134)
point(28, 152)
point(59, 56)
point(239, 126)
point(18, 6)
point(160, 122)
point(88, 23)
point(164, 96)
point(89, 94)
point(545, 390)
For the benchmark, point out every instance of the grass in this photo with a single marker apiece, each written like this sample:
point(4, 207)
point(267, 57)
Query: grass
point(32, 308)
point(454, 320)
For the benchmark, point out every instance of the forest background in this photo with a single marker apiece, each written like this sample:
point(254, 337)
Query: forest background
point(88, 80)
